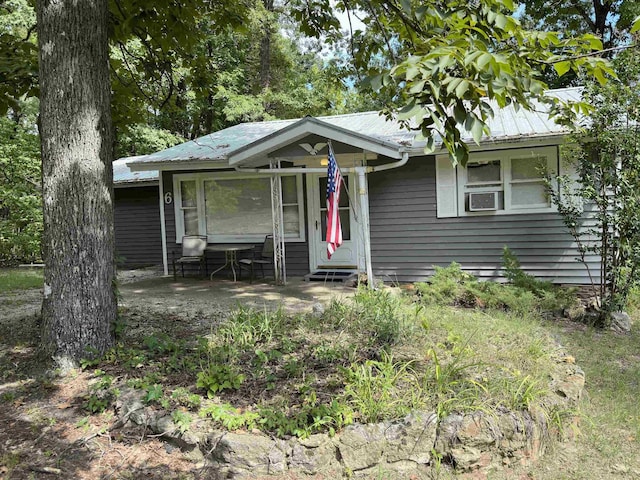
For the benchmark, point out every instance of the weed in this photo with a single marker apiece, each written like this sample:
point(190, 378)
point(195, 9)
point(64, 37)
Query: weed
point(231, 418)
point(378, 389)
point(154, 393)
point(452, 286)
point(308, 418)
point(218, 377)
point(182, 420)
point(102, 393)
point(185, 398)
point(522, 391)
point(247, 328)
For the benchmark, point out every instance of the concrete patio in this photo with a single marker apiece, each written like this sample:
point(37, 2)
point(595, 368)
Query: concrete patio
point(192, 296)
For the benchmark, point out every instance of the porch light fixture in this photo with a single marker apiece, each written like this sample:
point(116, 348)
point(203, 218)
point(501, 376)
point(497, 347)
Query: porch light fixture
point(324, 162)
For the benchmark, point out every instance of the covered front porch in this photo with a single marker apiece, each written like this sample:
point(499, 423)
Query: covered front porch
point(236, 192)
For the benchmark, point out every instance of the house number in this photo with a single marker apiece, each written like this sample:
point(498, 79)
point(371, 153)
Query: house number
point(168, 198)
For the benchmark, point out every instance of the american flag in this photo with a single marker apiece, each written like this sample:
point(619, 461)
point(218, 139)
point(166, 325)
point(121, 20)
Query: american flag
point(334, 184)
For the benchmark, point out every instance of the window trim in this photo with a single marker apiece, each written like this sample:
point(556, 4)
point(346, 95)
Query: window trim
point(505, 157)
point(200, 178)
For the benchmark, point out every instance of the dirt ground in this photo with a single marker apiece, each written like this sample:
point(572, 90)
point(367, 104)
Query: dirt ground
point(44, 430)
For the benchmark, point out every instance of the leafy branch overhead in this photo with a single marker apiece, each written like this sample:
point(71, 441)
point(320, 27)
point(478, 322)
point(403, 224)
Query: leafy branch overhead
point(443, 61)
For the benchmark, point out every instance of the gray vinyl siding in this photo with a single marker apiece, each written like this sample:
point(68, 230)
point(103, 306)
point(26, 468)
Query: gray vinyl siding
point(296, 253)
point(407, 238)
point(137, 226)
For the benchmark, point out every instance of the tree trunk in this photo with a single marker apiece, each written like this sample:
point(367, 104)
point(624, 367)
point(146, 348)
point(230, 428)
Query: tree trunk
point(79, 304)
point(265, 47)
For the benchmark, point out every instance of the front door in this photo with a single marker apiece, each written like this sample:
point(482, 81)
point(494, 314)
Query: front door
point(345, 257)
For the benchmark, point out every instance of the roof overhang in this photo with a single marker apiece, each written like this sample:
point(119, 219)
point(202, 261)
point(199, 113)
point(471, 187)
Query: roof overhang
point(255, 153)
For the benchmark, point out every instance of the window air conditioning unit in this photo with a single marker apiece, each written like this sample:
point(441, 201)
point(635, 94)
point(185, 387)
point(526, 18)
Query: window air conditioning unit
point(483, 202)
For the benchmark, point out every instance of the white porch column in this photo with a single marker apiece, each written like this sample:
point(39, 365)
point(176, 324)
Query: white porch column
point(163, 227)
point(277, 215)
point(363, 197)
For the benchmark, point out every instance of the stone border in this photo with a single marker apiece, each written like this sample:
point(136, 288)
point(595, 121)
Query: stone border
point(412, 446)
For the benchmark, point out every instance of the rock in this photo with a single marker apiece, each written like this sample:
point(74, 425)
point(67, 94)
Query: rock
point(317, 309)
point(465, 457)
point(412, 439)
point(447, 433)
point(243, 455)
point(575, 313)
point(361, 446)
point(314, 455)
point(129, 406)
point(620, 322)
point(477, 431)
point(163, 425)
point(569, 384)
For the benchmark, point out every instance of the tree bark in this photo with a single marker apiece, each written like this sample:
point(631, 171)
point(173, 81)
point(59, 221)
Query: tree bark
point(265, 47)
point(79, 303)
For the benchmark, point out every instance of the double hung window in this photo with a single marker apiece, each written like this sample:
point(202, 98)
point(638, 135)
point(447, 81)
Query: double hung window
point(235, 208)
point(507, 181)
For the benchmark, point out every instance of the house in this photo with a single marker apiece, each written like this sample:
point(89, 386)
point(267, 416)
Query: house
point(405, 211)
point(137, 216)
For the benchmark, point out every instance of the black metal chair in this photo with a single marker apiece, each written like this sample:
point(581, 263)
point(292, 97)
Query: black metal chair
point(265, 258)
point(193, 251)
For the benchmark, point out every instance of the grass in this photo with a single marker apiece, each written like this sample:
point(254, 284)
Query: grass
point(372, 358)
point(20, 279)
point(381, 355)
point(609, 437)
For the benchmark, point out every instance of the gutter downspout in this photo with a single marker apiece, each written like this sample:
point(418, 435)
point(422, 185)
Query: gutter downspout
point(363, 192)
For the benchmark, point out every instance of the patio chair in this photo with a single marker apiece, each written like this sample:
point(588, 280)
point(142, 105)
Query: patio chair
point(264, 258)
point(193, 251)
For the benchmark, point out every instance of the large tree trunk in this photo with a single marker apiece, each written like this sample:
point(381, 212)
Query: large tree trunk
point(77, 151)
point(265, 47)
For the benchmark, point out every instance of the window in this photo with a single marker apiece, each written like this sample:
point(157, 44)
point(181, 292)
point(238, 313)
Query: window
point(506, 181)
point(235, 208)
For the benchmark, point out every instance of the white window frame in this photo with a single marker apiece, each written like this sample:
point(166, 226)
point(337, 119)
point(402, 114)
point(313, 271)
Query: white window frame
point(200, 178)
point(505, 157)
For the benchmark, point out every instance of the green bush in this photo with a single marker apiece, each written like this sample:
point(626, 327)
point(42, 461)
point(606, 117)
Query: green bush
point(525, 294)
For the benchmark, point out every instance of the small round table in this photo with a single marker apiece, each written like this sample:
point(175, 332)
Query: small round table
point(230, 255)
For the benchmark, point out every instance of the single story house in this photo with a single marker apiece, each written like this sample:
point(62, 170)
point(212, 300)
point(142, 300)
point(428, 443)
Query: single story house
point(405, 211)
point(137, 216)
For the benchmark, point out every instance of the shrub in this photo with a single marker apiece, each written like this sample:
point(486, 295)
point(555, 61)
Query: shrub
point(526, 294)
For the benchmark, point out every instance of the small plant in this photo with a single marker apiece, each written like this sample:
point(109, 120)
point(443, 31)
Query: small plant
point(101, 393)
point(182, 420)
point(185, 398)
point(378, 389)
point(154, 393)
point(217, 377)
point(231, 418)
point(522, 391)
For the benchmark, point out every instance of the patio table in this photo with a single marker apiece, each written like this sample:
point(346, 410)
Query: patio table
point(230, 255)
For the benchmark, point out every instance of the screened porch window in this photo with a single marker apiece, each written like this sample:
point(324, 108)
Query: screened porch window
point(231, 208)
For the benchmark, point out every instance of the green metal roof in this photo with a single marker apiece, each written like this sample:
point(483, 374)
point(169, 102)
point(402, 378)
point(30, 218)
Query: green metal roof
point(510, 124)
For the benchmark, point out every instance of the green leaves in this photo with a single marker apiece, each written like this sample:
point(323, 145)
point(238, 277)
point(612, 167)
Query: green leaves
point(452, 61)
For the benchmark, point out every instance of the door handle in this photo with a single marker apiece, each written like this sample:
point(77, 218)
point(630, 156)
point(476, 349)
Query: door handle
point(316, 224)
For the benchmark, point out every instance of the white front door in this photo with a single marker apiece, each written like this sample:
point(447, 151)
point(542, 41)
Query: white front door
point(345, 257)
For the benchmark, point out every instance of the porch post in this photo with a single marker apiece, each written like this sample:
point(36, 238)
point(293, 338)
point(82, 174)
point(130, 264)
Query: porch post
point(363, 194)
point(279, 267)
point(163, 228)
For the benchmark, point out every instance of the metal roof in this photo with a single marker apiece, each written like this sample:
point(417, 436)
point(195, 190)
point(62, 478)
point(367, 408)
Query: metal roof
point(122, 174)
point(509, 124)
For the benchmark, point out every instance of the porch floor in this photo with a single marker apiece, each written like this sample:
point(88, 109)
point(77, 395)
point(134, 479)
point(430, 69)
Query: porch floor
point(192, 296)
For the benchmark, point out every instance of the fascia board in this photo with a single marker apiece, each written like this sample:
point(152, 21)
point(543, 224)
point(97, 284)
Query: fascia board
point(308, 126)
